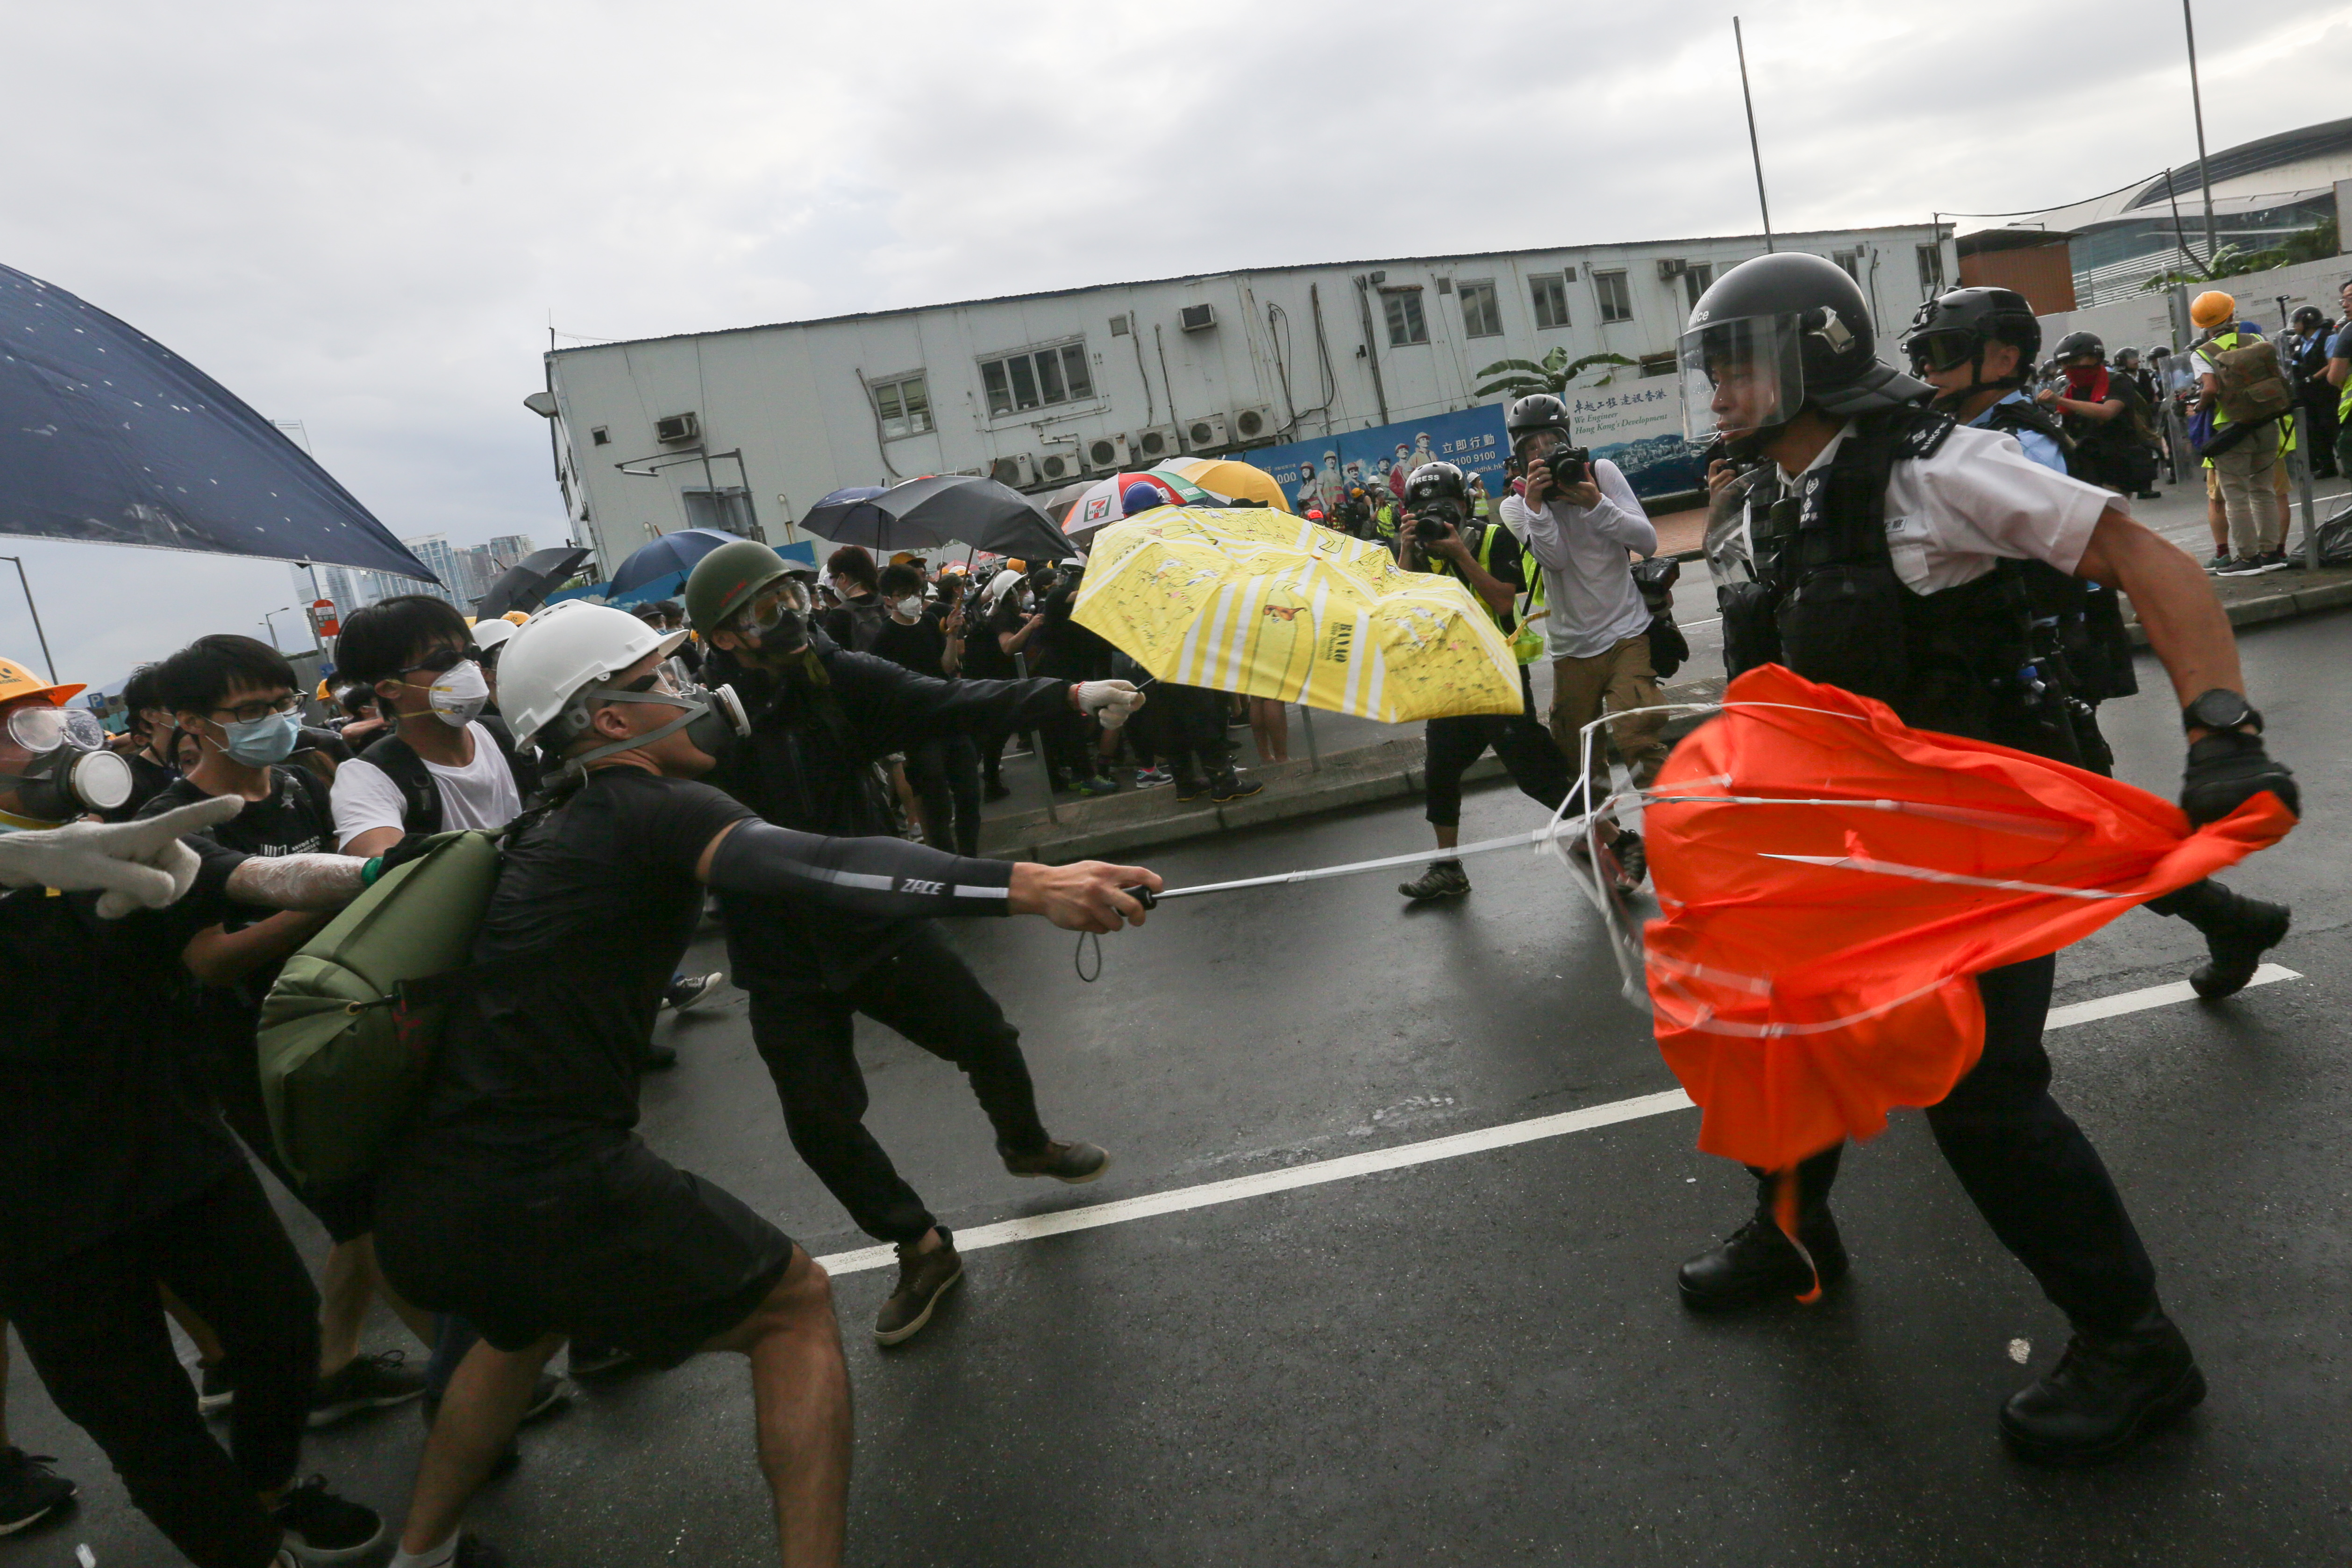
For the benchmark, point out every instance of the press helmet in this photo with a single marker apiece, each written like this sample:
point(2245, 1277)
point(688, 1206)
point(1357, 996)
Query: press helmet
point(1435, 482)
point(1537, 411)
point(1954, 329)
point(1801, 325)
point(558, 657)
point(2080, 345)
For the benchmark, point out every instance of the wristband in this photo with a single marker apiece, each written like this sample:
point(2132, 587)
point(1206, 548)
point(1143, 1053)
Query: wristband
point(371, 871)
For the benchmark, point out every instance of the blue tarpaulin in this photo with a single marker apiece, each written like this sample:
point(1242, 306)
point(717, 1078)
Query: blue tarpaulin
point(108, 437)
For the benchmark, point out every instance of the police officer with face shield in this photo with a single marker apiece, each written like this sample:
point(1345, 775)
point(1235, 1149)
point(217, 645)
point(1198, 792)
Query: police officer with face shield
point(1884, 568)
point(1974, 346)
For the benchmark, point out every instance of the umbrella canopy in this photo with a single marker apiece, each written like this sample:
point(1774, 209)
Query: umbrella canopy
point(1834, 880)
point(1255, 601)
point(526, 584)
point(666, 557)
point(940, 509)
point(107, 437)
point(1059, 504)
point(1227, 480)
point(1102, 502)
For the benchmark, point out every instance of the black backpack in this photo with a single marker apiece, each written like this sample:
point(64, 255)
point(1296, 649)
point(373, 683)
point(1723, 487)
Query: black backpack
point(406, 770)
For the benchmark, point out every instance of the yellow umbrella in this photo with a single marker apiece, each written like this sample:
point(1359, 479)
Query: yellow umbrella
point(1228, 479)
point(1249, 600)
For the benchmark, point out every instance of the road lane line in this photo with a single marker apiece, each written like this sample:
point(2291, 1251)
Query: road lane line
point(1346, 1167)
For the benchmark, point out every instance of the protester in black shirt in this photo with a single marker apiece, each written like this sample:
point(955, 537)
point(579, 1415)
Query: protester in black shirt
point(117, 1180)
point(522, 1196)
point(944, 769)
point(858, 619)
point(150, 760)
point(820, 716)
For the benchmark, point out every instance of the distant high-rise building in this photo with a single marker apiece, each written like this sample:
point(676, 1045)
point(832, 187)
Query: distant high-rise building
point(440, 560)
point(508, 549)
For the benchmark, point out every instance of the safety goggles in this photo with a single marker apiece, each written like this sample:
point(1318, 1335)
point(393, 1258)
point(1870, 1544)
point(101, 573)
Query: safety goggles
point(43, 729)
point(1940, 351)
point(767, 609)
point(440, 661)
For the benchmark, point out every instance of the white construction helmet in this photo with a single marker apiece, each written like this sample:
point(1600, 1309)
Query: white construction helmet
point(559, 653)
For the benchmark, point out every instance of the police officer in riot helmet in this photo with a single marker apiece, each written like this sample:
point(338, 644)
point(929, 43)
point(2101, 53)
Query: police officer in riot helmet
point(2095, 406)
point(1883, 566)
point(1972, 345)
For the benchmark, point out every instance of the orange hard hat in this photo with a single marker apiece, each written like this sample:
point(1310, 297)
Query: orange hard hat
point(17, 683)
point(2213, 307)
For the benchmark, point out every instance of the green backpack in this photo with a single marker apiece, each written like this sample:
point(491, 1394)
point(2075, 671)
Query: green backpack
point(348, 1033)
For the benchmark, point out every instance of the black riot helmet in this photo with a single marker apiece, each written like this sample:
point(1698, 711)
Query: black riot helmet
point(1955, 329)
point(2081, 345)
point(2309, 318)
point(2127, 359)
point(1778, 334)
point(1434, 486)
point(1537, 411)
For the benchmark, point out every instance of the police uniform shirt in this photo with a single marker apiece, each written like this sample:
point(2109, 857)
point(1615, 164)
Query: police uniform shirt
point(2042, 448)
point(1978, 498)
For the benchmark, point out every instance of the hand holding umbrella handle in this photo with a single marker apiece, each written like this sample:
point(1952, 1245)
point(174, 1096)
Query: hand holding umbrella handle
point(1144, 896)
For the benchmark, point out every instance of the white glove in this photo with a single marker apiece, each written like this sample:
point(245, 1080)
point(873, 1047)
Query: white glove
point(136, 865)
point(1112, 701)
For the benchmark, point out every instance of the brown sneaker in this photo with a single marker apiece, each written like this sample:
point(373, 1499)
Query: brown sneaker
point(923, 1278)
point(1074, 1163)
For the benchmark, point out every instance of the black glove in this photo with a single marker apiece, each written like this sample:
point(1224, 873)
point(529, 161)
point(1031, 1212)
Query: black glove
point(2226, 770)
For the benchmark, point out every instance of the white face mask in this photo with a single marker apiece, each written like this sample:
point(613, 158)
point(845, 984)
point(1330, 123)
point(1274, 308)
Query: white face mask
point(459, 694)
point(910, 606)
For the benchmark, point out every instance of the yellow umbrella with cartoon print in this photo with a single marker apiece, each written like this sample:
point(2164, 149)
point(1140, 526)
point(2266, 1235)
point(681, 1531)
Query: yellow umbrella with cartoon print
point(1252, 601)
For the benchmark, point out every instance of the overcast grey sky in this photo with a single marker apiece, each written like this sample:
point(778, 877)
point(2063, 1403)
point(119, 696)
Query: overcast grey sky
point(366, 217)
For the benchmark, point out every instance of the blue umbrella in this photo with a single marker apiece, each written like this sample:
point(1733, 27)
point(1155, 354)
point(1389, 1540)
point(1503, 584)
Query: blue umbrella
point(672, 552)
point(107, 437)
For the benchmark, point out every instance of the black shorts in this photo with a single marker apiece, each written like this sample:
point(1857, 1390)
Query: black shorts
point(619, 1247)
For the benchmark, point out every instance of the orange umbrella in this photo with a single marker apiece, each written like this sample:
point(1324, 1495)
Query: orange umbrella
point(1831, 880)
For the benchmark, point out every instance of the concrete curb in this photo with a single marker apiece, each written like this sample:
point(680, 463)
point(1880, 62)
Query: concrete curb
point(2280, 605)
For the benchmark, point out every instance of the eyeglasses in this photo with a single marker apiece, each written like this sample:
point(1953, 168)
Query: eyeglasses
point(247, 712)
point(442, 660)
point(42, 729)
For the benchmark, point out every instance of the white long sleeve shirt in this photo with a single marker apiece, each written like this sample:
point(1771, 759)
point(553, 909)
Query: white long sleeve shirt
point(1589, 588)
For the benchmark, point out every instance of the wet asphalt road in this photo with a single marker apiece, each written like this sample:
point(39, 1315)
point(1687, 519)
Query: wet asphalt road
point(1482, 1359)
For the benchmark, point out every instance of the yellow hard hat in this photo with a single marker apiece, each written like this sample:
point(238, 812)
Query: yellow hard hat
point(2213, 307)
point(16, 683)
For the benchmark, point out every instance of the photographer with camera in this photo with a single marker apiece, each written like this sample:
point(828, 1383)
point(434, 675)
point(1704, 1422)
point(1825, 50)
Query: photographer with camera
point(1579, 520)
point(1440, 536)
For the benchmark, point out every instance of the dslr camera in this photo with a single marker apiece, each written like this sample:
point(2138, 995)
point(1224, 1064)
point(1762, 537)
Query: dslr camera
point(1569, 466)
point(1432, 518)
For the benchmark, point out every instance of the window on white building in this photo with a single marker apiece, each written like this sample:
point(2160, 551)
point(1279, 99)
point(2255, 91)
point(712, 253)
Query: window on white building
point(1406, 323)
point(1696, 279)
point(727, 511)
point(1482, 313)
point(1616, 298)
point(1851, 261)
point(1550, 292)
point(1931, 269)
point(1036, 378)
point(905, 404)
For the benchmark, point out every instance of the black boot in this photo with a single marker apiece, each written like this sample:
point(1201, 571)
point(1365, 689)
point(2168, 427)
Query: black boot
point(2237, 935)
point(1756, 1263)
point(2106, 1392)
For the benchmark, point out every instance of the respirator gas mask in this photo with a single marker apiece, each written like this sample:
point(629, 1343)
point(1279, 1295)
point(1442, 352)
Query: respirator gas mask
point(71, 772)
point(715, 721)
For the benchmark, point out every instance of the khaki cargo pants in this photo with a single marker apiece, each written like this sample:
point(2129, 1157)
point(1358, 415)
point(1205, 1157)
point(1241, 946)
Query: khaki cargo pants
point(1582, 690)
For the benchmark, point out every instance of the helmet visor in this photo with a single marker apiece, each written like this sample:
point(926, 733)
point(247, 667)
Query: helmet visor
point(1940, 351)
point(1741, 375)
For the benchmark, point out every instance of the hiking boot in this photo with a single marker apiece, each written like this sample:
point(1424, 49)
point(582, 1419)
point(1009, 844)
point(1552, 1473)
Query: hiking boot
point(692, 990)
point(1632, 861)
point(29, 1491)
point(321, 1527)
point(2237, 942)
point(1192, 788)
point(1232, 787)
point(1444, 880)
point(2106, 1392)
point(1073, 1164)
point(366, 1383)
point(923, 1278)
point(215, 1389)
point(1756, 1263)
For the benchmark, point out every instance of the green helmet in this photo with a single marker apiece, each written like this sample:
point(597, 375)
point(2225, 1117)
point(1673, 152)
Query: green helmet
point(724, 581)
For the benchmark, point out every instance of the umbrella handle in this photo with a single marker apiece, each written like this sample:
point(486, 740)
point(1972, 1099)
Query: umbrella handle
point(1144, 896)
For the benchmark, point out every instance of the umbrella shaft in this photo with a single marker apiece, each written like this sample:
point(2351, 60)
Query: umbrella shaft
point(1533, 838)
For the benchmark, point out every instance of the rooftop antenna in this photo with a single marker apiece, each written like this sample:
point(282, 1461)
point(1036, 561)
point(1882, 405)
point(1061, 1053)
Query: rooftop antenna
point(2196, 102)
point(1756, 152)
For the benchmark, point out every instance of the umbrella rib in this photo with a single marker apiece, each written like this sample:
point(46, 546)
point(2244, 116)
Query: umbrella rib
point(1924, 873)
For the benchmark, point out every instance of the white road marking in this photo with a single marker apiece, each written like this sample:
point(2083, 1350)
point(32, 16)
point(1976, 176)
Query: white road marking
point(1347, 1166)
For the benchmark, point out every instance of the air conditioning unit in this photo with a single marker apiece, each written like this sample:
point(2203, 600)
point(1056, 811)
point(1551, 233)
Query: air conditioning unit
point(673, 429)
point(1252, 424)
point(1059, 466)
point(1019, 470)
point(1106, 454)
point(1157, 441)
point(1205, 434)
point(1197, 318)
point(1671, 268)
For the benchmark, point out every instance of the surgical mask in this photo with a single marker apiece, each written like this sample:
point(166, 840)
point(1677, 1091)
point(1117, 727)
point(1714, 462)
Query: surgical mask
point(72, 772)
point(910, 606)
point(458, 694)
point(260, 743)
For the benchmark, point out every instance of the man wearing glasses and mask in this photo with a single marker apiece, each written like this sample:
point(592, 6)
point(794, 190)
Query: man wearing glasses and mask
point(819, 717)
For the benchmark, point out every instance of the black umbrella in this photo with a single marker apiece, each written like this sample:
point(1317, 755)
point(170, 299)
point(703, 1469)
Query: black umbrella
point(526, 584)
point(923, 514)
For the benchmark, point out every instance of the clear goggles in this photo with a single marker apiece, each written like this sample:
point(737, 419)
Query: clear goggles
point(40, 729)
point(767, 609)
point(1740, 375)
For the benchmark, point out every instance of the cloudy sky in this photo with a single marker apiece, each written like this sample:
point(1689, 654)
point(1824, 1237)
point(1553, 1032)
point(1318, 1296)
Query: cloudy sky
point(367, 217)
